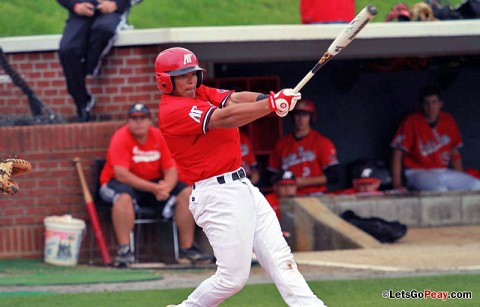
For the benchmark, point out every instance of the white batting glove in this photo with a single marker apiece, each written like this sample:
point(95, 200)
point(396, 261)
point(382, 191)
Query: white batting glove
point(283, 101)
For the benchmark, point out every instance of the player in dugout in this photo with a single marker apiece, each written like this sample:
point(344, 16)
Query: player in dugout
point(200, 125)
point(139, 171)
point(426, 147)
point(311, 156)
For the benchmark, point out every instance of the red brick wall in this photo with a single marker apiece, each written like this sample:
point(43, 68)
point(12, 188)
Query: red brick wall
point(127, 76)
point(53, 187)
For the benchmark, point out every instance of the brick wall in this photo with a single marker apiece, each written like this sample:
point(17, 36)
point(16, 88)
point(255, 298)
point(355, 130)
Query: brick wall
point(127, 76)
point(52, 188)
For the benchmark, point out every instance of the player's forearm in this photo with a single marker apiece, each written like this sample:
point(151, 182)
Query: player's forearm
point(169, 179)
point(243, 97)
point(237, 115)
point(397, 168)
point(123, 175)
point(309, 181)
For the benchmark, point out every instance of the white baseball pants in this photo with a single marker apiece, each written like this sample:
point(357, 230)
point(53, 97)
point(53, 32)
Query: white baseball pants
point(237, 219)
point(441, 179)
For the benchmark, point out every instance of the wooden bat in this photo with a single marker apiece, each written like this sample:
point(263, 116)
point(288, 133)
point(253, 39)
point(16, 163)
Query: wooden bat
point(341, 41)
point(92, 212)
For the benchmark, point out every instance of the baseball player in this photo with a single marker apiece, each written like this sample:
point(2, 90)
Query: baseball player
point(139, 171)
point(249, 161)
point(284, 184)
point(311, 156)
point(200, 125)
point(426, 145)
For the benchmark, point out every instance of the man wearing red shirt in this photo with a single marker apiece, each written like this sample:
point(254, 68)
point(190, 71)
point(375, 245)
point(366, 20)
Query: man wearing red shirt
point(249, 161)
point(426, 145)
point(139, 171)
point(311, 156)
point(327, 11)
point(200, 125)
point(284, 185)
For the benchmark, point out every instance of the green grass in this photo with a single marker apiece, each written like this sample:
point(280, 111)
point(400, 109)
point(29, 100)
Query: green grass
point(33, 273)
point(19, 17)
point(345, 293)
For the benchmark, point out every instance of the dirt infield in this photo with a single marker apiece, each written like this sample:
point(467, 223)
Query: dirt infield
point(423, 251)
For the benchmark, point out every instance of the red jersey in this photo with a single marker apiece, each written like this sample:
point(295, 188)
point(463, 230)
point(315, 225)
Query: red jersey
point(424, 146)
point(147, 160)
point(315, 11)
point(248, 158)
point(306, 157)
point(200, 153)
point(273, 200)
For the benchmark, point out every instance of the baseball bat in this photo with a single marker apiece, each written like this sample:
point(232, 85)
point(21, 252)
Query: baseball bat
point(341, 41)
point(92, 213)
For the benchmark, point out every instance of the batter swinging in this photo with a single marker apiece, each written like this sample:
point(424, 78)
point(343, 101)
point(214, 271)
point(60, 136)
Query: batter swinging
point(200, 125)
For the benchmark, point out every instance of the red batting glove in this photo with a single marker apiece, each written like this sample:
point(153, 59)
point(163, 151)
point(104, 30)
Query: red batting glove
point(283, 101)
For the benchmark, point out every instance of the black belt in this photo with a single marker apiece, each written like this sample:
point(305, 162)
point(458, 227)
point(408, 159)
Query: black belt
point(235, 176)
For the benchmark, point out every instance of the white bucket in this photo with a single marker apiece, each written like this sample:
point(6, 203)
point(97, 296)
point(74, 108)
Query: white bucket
point(63, 237)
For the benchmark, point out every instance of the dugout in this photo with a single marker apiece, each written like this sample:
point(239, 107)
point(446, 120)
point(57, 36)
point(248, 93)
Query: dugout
point(361, 95)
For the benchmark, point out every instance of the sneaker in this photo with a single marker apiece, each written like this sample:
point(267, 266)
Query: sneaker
point(90, 104)
point(194, 255)
point(124, 256)
point(83, 116)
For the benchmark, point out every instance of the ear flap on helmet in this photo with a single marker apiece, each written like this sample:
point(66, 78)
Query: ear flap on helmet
point(164, 83)
point(199, 77)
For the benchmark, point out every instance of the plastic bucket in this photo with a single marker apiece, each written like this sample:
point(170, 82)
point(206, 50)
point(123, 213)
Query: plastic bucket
point(63, 237)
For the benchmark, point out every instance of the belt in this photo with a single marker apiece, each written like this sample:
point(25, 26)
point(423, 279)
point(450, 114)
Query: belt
point(237, 175)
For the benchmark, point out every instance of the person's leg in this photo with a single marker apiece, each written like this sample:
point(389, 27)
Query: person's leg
point(227, 215)
point(123, 218)
point(72, 51)
point(455, 180)
point(184, 219)
point(103, 32)
point(123, 199)
point(425, 180)
point(274, 255)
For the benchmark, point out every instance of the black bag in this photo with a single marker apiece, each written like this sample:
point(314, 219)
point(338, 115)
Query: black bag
point(382, 230)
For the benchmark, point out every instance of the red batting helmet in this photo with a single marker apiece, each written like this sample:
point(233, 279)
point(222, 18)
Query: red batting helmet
point(175, 62)
point(305, 105)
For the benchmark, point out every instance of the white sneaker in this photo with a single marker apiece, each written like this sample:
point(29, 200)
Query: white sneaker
point(90, 104)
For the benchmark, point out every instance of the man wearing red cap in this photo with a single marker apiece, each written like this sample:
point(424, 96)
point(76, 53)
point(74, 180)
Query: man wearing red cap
point(284, 185)
point(200, 125)
point(311, 156)
point(140, 171)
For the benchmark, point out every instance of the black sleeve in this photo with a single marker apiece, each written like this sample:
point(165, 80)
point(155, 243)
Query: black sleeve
point(122, 5)
point(333, 174)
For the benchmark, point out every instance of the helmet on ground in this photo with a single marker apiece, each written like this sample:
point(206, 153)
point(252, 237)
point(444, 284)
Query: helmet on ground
point(175, 62)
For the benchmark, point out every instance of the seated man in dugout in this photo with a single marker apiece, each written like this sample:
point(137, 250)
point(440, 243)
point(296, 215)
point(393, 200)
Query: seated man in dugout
point(308, 154)
point(426, 149)
point(139, 171)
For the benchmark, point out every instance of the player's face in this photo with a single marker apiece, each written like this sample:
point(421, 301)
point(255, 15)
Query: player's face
point(185, 85)
point(365, 187)
point(138, 125)
point(432, 105)
point(285, 190)
point(301, 119)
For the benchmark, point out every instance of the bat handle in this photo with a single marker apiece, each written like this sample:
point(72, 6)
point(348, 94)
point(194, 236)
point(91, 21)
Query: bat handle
point(303, 82)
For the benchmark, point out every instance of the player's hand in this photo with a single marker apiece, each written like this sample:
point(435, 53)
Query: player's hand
point(106, 7)
point(283, 101)
point(84, 9)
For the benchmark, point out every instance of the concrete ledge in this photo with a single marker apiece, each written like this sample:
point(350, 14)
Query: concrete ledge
point(290, 42)
point(315, 227)
point(423, 209)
